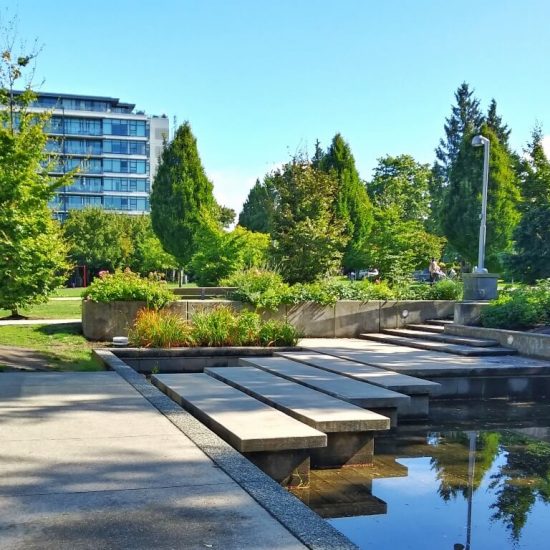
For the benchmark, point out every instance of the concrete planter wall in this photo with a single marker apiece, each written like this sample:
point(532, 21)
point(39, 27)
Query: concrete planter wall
point(345, 319)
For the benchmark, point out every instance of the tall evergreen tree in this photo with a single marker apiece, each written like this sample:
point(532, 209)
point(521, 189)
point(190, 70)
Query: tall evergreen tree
point(182, 200)
point(466, 117)
point(531, 258)
point(307, 238)
point(257, 212)
point(462, 204)
point(494, 121)
point(352, 204)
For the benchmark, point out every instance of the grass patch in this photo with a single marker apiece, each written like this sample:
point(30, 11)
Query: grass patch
point(62, 346)
point(54, 309)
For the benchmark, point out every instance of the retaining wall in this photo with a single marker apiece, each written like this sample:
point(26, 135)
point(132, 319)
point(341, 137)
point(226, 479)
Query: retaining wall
point(527, 343)
point(345, 319)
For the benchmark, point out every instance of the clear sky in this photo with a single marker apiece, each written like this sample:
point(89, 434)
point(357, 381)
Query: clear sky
point(260, 79)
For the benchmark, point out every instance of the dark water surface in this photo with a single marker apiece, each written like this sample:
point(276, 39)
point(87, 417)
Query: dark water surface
point(478, 476)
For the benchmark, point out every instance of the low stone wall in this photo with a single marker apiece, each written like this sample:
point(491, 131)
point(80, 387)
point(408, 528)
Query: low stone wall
point(345, 319)
point(527, 343)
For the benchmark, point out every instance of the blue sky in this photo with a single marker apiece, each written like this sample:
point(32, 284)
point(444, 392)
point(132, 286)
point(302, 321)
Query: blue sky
point(259, 79)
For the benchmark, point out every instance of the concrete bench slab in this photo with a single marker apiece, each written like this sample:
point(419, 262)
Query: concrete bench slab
point(276, 443)
point(349, 428)
point(362, 394)
point(437, 329)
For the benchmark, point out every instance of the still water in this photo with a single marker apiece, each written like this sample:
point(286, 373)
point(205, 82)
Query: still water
point(478, 479)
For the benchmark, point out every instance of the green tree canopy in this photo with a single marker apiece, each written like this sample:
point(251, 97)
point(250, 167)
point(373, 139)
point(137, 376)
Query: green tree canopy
point(258, 209)
point(222, 253)
point(462, 204)
point(308, 240)
point(352, 205)
point(32, 252)
point(107, 240)
point(182, 201)
point(402, 184)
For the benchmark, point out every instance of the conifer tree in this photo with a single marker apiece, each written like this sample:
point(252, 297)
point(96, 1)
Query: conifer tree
point(182, 200)
point(462, 204)
point(257, 212)
point(531, 258)
point(352, 204)
point(466, 117)
point(494, 121)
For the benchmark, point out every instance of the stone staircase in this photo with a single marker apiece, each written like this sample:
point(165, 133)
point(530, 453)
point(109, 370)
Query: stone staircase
point(431, 336)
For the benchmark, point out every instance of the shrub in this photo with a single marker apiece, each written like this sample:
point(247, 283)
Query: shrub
point(160, 329)
point(447, 289)
point(519, 308)
point(262, 288)
point(128, 286)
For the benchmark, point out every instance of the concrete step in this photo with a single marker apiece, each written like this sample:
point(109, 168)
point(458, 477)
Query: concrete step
point(388, 379)
point(448, 338)
point(309, 406)
point(439, 322)
point(456, 349)
point(437, 329)
point(362, 394)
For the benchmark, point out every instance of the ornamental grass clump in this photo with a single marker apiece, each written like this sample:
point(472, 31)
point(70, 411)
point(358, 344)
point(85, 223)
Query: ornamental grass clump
point(277, 333)
point(215, 327)
point(128, 286)
point(160, 329)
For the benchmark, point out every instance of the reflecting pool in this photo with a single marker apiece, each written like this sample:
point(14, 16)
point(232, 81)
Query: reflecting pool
point(478, 479)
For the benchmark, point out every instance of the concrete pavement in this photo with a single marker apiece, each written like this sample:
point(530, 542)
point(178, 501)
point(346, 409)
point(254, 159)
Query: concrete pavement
point(86, 461)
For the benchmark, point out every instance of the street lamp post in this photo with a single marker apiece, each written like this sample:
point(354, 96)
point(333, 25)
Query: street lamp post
point(480, 141)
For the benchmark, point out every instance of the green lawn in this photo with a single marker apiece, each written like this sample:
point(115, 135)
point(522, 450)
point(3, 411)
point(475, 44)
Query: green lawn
point(54, 309)
point(63, 346)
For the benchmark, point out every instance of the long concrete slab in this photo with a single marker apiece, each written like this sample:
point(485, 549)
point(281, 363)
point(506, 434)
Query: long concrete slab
point(441, 337)
point(246, 423)
point(359, 393)
point(309, 406)
point(106, 487)
point(416, 362)
point(390, 380)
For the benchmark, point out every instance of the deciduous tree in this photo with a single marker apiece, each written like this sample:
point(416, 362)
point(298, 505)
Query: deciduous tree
point(32, 252)
point(308, 239)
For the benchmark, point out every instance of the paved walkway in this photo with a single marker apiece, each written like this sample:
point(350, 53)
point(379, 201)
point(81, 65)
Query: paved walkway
point(88, 462)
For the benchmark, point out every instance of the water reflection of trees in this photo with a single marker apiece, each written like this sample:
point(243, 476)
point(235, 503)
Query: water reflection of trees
point(520, 482)
point(450, 461)
point(517, 484)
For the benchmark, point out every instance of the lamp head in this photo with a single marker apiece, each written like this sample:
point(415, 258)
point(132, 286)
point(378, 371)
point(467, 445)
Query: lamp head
point(479, 141)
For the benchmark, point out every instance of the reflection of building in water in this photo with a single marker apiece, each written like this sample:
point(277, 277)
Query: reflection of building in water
point(348, 491)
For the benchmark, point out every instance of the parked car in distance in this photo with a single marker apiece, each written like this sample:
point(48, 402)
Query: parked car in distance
point(367, 273)
point(422, 275)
